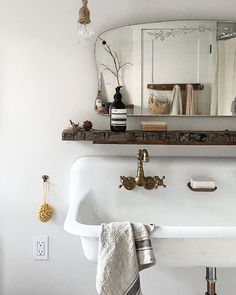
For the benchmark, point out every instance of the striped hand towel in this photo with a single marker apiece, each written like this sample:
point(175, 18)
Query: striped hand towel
point(124, 250)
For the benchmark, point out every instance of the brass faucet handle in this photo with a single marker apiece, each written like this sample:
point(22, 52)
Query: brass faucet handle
point(159, 181)
point(128, 182)
point(150, 183)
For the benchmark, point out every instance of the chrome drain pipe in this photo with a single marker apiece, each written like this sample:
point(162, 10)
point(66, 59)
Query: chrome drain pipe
point(211, 280)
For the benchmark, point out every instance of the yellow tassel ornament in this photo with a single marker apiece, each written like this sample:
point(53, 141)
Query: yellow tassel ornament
point(45, 211)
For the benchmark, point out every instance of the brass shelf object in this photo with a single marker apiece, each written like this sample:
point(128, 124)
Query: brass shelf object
point(201, 190)
point(172, 137)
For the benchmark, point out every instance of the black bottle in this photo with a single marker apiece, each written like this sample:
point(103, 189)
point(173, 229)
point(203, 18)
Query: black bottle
point(118, 113)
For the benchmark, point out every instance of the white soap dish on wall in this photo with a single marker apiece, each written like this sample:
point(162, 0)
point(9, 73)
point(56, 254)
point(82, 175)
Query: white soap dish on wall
point(202, 184)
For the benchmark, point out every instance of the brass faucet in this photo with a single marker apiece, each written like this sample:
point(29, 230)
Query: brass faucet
point(147, 182)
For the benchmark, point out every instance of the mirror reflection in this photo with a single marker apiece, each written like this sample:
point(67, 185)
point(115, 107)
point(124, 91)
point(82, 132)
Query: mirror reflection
point(178, 68)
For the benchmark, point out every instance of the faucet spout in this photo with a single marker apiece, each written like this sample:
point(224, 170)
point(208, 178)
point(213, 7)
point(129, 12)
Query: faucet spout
point(141, 156)
point(146, 157)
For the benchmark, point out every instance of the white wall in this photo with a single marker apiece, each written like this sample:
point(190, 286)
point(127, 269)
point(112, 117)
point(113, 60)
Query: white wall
point(46, 79)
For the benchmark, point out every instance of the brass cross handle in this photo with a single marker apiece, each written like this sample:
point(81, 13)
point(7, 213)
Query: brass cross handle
point(128, 182)
point(159, 181)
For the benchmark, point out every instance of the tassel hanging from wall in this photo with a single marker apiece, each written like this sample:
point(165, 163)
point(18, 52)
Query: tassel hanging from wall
point(45, 212)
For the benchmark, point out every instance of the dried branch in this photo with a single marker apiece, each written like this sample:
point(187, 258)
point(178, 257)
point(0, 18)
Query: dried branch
point(127, 63)
point(108, 69)
point(118, 61)
point(118, 66)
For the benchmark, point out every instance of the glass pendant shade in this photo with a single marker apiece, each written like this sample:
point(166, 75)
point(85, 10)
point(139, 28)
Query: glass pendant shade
point(85, 32)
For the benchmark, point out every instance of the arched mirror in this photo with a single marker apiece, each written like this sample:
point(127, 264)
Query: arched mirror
point(178, 68)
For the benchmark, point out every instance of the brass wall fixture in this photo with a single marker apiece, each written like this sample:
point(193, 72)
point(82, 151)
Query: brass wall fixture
point(147, 182)
point(201, 190)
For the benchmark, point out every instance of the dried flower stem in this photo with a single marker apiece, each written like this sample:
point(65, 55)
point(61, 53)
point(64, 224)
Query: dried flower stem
point(116, 61)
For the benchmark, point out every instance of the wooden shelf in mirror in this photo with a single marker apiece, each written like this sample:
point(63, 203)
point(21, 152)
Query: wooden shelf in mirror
point(169, 87)
point(172, 137)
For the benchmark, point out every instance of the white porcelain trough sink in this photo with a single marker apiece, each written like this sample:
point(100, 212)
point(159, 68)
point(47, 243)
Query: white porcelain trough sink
point(192, 228)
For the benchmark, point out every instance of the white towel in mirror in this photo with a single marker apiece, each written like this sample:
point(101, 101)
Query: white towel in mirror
point(176, 98)
point(189, 101)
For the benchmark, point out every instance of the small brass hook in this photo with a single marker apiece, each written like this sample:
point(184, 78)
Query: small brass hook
point(45, 178)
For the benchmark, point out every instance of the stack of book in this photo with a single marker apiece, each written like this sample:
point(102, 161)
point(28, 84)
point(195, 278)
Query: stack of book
point(153, 126)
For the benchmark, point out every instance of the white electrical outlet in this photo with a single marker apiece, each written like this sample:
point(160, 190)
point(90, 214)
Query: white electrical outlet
point(40, 247)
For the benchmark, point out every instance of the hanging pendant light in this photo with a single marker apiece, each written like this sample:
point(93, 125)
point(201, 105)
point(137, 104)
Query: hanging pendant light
point(85, 32)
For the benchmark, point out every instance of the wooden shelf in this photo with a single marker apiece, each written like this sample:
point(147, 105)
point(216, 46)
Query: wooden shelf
point(169, 87)
point(174, 137)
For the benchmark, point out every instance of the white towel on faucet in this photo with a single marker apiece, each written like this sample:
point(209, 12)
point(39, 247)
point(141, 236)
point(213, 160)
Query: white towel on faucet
point(124, 250)
point(177, 108)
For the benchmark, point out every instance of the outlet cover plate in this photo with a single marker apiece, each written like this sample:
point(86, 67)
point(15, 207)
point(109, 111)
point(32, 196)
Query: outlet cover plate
point(40, 247)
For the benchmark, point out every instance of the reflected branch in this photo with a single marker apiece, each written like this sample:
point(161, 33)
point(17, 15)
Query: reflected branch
point(117, 64)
